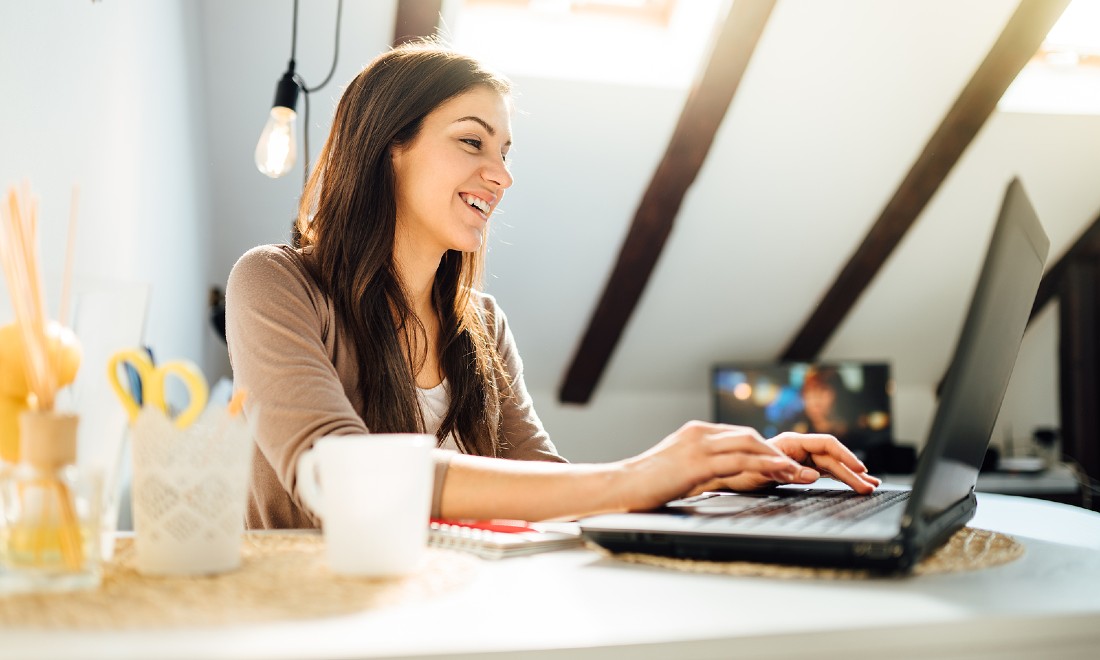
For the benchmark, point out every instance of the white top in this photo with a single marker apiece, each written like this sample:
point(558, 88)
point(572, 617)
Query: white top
point(433, 406)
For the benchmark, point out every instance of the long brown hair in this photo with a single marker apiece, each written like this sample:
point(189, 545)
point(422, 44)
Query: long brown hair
point(347, 219)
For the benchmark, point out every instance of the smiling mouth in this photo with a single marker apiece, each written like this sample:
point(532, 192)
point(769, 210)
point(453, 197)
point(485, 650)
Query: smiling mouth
point(476, 202)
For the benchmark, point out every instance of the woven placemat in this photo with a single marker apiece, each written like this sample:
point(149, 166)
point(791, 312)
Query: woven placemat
point(969, 549)
point(282, 577)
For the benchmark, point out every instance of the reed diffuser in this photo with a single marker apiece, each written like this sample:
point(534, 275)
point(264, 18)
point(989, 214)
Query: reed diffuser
point(48, 530)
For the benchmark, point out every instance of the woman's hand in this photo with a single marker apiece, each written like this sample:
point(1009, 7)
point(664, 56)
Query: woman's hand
point(701, 453)
point(826, 455)
point(817, 454)
point(701, 456)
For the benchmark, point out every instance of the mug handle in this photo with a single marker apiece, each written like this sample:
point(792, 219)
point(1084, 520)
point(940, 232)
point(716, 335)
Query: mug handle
point(308, 488)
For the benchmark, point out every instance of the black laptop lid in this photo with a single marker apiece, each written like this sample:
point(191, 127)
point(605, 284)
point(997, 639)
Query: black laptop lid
point(985, 355)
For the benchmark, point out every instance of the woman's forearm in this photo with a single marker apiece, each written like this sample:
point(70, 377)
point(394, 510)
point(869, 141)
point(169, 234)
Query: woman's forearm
point(480, 487)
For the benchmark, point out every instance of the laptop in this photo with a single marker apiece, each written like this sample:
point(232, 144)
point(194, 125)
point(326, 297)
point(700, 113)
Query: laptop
point(893, 528)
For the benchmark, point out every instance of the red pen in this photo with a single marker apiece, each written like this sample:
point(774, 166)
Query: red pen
point(494, 525)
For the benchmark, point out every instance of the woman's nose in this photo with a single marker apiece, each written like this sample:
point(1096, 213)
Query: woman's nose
point(498, 173)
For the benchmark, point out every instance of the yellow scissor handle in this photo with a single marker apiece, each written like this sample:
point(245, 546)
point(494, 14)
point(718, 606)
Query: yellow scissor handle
point(153, 385)
point(197, 392)
point(144, 366)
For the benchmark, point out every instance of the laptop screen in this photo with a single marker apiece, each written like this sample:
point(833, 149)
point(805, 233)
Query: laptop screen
point(851, 400)
point(985, 354)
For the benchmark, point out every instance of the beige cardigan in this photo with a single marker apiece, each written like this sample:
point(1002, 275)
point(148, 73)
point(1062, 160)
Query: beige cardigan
point(288, 352)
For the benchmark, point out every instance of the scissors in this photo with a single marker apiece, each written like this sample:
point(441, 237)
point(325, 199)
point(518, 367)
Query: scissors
point(151, 381)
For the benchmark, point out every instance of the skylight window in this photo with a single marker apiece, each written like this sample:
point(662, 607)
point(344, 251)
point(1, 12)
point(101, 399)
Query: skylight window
point(644, 42)
point(1064, 75)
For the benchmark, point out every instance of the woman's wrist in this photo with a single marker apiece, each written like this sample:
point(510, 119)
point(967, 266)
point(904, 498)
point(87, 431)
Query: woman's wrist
point(613, 487)
point(631, 485)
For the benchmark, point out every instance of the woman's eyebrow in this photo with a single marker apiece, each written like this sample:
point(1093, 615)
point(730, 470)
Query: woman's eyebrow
point(484, 124)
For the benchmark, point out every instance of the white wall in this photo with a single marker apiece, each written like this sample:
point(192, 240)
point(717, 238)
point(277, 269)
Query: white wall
point(105, 96)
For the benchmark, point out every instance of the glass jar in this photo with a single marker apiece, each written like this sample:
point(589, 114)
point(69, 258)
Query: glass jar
point(49, 533)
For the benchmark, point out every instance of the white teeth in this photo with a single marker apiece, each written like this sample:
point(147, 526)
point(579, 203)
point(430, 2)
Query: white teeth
point(477, 203)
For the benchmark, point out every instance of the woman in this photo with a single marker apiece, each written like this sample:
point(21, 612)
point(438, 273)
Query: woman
point(376, 325)
point(821, 394)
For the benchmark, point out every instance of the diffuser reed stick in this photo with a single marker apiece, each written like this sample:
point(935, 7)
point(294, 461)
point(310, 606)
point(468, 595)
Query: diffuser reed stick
point(50, 528)
point(70, 249)
point(18, 251)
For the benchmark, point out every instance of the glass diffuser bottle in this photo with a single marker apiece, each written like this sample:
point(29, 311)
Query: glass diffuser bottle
point(50, 538)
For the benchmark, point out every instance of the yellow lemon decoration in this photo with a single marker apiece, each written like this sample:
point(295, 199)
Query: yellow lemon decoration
point(65, 356)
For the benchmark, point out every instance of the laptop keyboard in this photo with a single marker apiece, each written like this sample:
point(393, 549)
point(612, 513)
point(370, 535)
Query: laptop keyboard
point(832, 504)
point(827, 507)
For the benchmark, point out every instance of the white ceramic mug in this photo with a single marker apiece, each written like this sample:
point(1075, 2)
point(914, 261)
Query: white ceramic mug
point(373, 494)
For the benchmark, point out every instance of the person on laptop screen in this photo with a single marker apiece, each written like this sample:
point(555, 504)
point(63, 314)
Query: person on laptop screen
point(376, 322)
point(821, 390)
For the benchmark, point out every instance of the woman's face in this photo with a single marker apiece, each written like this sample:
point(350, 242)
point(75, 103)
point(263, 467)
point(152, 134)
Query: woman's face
point(453, 175)
point(818, 401)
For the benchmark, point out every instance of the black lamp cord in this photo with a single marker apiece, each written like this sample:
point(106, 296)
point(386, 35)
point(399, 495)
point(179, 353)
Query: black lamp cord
point(306, 89)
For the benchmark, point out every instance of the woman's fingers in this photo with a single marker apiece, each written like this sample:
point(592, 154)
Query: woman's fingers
point(735, 449)
point(829, 455)
point(802, 446)
point(740, 450)
point(775, 467)
point(741, 440)
point(859, 481)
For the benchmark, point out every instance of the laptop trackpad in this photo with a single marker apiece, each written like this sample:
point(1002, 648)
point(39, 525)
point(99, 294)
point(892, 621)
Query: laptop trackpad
point(722, 504)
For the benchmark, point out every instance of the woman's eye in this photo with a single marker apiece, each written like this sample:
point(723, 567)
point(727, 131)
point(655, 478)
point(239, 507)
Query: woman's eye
point(473, 142)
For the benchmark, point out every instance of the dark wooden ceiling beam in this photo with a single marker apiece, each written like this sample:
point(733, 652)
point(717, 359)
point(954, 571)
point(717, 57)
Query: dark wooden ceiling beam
point(415, 19)
point(700, 118)
point(1022, 36)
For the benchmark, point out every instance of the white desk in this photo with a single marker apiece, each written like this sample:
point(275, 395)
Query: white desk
point(576, 604)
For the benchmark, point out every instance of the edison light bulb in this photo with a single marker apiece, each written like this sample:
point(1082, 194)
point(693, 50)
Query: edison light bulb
point(277, 148)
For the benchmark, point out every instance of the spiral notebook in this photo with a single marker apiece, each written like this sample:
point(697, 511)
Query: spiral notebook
point(497, 539)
